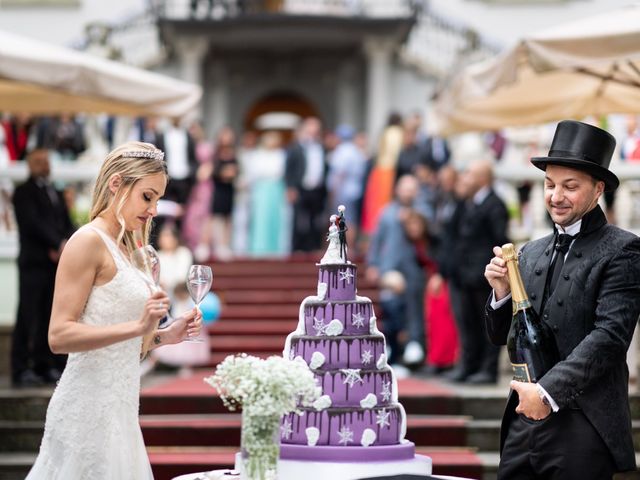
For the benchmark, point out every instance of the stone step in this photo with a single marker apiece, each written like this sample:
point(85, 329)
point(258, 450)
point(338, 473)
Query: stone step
point(24, 404)
point(224, 430)
point(268, 283)
point(218, 357)
point(15, 465)
point(225, 270)
point(487, 404)
point(254, 327)
point(434, 404)
point(249, 297)
point(241, 312)
point(169, 462)
point(244, 343)
point(308, 258)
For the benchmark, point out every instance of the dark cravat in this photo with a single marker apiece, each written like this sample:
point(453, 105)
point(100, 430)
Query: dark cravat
point(563, 242)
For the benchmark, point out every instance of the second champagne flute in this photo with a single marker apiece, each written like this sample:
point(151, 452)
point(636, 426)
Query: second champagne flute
point(199, 281)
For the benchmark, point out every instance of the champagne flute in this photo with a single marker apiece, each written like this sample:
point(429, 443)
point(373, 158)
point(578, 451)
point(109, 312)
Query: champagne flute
point(199, 281)
point(146, 259)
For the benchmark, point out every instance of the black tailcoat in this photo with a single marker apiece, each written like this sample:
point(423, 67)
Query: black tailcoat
point(592, 313)
point(480, 228)
point(42, 224)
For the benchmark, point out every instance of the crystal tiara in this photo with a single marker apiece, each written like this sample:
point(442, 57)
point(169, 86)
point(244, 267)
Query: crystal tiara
point(155, 154)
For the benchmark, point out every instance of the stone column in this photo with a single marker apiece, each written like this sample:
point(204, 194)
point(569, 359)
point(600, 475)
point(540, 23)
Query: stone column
point(191, 53)
point(379, 55)
point(218, 101)
point(346, 108)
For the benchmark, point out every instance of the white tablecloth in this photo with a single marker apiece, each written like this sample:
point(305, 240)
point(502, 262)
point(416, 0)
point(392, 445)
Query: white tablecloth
point(213, 475)
point(232, 475)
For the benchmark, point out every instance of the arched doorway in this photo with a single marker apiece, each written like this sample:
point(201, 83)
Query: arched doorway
point(280, 111)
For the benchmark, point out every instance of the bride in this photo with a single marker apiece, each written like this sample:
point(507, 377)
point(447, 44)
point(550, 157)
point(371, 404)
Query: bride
point(101, 311)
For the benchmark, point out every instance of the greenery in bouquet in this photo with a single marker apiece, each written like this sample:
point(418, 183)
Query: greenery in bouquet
point(266, 390)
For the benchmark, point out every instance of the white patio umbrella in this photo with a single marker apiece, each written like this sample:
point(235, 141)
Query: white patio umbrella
point(584, 67)
point(39, 78)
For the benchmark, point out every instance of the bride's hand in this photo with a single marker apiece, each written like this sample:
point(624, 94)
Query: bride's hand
point(155, 310)
point(186, 325)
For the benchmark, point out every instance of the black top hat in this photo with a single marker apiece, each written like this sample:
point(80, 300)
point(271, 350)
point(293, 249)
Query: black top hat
point(583, 147)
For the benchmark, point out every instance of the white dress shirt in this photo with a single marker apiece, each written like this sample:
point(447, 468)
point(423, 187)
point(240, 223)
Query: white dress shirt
point(175, 140)
point(314, 171)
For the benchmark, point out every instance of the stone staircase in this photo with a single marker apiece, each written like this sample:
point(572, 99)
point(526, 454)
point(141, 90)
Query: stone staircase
point(187, 429)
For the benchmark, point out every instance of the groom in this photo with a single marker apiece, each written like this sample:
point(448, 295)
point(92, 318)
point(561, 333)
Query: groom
point(584, 281)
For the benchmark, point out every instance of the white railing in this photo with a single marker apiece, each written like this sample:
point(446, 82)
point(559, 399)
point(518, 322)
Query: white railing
point(134, 40)
point(440, 46)
point(184, 9)
point(61, 171)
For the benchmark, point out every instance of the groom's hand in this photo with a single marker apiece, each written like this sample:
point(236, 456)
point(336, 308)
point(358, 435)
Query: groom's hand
point(531, 405)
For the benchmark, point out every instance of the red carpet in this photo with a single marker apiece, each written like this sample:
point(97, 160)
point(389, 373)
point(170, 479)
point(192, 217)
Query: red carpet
point(193, 385)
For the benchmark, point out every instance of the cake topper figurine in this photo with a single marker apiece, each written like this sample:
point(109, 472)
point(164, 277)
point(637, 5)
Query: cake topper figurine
point(342, 232)
point(337, 238)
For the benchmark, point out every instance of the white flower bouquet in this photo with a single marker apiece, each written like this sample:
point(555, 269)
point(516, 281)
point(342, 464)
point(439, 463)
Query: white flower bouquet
point(266, 390)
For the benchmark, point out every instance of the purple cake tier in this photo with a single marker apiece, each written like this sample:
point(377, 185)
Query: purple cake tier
point(343, 427)
point(354, 316)
point(340, 280)
point(381, 453)
point(339, 352)
point(348, 388)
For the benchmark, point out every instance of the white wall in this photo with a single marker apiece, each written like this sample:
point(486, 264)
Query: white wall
point(65, 25)
point(506, 22)
point(410, 90)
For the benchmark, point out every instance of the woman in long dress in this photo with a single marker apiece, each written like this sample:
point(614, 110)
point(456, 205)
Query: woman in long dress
point(268, 201)
point(379, 188)
point(102, 309)
point(225, 173)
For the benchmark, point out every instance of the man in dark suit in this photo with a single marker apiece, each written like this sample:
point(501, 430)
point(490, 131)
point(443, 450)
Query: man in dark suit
point(305, 177)
point(584, 280)
point(182, 164)
point(43, 226)
point(481, 224)
point(437, 152)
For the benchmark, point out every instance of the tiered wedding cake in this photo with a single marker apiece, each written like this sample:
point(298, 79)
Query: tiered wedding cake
point(357, 427)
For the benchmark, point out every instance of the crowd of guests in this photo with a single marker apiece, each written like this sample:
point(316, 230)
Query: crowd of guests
point(425, 229)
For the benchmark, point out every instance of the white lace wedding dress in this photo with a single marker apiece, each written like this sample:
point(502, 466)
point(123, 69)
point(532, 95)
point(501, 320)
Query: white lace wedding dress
point(92, 430)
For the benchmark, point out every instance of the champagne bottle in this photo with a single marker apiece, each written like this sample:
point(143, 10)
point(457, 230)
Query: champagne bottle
point(530, 343)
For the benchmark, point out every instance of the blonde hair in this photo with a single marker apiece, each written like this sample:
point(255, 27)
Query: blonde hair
point(132, 161)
